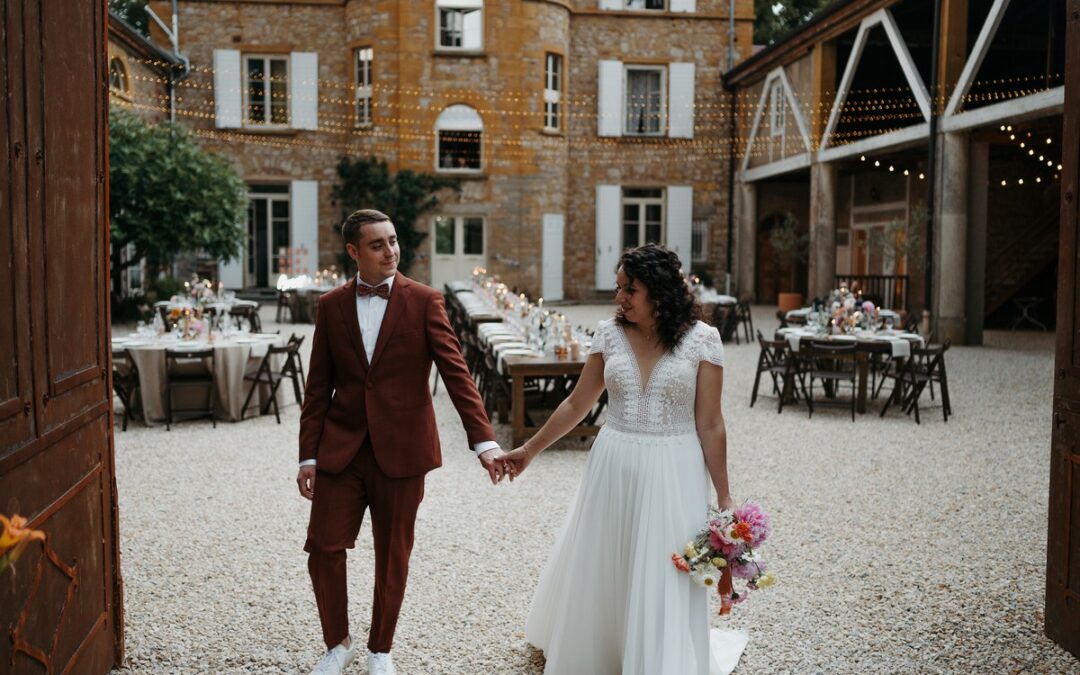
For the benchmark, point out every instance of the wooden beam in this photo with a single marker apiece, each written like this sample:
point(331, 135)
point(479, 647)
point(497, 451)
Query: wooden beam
point(786, 165)
point(893, 140)
point(952, 50)
point(1043, 104)
point(978, 52)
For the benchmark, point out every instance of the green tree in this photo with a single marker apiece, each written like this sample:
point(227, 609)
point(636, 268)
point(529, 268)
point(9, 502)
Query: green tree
point(133, 13)
point(168, 195)
point(367, 183)
point(776, 18)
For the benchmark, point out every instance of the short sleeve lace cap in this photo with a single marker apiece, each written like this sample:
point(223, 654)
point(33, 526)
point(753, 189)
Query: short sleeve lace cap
point(600, 337)
point(708, 344)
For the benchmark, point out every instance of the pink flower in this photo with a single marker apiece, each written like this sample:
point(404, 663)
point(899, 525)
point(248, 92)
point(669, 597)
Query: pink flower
point(868, 307)
point(752, 514)
point(748, 570)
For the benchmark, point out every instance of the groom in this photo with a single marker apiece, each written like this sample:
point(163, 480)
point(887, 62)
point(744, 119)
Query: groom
point(368, 433)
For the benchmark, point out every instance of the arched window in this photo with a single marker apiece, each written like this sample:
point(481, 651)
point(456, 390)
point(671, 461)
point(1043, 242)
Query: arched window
point(460, 134)
point(118, 76)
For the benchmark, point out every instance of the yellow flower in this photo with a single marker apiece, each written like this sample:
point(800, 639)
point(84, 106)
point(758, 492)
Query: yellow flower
point(719, 563)
point(766, 580)
point(690, 551)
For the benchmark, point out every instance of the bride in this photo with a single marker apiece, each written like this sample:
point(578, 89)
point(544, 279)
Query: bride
point(609, 600)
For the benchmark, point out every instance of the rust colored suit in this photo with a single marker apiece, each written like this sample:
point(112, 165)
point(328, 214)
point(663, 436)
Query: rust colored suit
point(371, 429)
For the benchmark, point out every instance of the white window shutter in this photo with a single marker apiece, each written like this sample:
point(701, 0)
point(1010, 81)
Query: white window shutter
point(554, 227)
point(688, 6)
point(231, 273)
point(611, 4)
point(681, 100)
point(227, 82)
point(304, 198)
point(608, 234)
point(609, 102)
point(680, 213)
point(304, 90)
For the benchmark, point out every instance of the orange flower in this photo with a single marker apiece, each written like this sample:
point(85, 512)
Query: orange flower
point(742, 531)
point(680, 563)
point(15, 532)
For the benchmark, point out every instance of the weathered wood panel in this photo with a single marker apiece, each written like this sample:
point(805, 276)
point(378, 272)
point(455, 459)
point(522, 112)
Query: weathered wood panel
point(61, 612)
point(1063, 537)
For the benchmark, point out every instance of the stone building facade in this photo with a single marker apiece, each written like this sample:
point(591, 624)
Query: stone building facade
point(575, 128)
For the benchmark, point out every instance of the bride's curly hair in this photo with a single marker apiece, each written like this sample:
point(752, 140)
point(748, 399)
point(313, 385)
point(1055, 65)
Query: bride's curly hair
point(660, 271)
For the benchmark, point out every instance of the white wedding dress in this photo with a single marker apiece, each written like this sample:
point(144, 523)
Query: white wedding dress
point(609, 599)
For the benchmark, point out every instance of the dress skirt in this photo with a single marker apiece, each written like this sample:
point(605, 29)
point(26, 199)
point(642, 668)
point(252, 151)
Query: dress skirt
point(609, 600)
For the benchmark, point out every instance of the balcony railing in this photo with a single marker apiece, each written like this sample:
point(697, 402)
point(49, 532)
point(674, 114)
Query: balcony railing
point(889, 291)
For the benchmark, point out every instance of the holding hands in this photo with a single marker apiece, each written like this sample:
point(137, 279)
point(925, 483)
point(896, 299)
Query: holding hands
point(501, 464)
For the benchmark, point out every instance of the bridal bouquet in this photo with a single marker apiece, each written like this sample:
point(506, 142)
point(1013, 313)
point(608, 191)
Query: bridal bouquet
point(726, 549)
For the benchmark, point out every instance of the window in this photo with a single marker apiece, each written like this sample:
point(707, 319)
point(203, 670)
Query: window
point(645, 100)
point(645, 4)
point(461, 24)
point(777, 109)
point(267, 90)
point(553, 92)
point(699, 240)
point(472, 235)
point(363, 86)
point(118, 76)
point(643, 216)
point(460, 135)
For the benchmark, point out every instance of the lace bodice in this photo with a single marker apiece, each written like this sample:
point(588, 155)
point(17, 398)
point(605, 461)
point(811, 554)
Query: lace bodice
point(664, 404)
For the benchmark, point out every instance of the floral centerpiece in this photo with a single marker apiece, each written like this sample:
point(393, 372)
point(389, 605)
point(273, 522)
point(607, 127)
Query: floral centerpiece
point(726, 549)
point(846, 311)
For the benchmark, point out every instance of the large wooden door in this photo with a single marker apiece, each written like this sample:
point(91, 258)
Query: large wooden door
point(61, 611)
point(1063, 540)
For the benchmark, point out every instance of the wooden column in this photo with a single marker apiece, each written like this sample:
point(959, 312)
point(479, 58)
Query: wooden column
point(1063, 535)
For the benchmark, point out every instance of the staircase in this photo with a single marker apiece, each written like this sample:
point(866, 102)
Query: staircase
point(1016, 262)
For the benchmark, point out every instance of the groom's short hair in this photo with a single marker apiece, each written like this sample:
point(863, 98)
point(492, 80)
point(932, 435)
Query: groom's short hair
point(350, 229)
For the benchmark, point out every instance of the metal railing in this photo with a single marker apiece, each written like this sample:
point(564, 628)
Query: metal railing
point(889, 291)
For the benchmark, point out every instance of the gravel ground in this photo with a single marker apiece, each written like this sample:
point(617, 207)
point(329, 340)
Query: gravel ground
point(898, 548)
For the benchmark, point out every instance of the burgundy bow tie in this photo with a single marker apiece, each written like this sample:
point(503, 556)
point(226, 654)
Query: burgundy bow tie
point(382, 290)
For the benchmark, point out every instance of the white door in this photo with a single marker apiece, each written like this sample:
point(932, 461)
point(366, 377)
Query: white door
point(554, 225)
point(457, 246)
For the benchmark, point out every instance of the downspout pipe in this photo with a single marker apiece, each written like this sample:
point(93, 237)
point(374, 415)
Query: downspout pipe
point(932, 168)
point(731, 152)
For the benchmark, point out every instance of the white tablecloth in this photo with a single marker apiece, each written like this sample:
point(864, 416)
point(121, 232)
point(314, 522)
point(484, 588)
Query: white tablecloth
point(232, 357)
point(899, 342)
point(710, 295)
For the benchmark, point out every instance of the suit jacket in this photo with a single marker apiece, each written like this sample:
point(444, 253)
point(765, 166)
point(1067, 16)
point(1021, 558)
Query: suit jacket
point(348, 399)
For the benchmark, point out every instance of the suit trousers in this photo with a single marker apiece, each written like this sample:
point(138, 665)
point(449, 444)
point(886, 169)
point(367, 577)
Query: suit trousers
point(337, 511)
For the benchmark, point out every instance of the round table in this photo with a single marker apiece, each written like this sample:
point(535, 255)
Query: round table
point(233, 355)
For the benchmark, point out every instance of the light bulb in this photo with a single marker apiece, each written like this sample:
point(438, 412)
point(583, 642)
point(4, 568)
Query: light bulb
point(877, 163)
point(1002, 183)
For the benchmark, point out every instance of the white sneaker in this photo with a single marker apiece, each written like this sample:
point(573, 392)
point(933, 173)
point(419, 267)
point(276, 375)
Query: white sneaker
point(336, 660)
point(380, 664)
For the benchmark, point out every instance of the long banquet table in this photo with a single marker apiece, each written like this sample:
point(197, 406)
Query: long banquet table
point(498, 333)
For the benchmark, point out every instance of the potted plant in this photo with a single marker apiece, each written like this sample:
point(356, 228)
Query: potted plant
point(790, 246)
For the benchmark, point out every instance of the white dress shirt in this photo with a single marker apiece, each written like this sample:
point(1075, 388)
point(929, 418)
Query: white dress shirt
point(370, 311)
